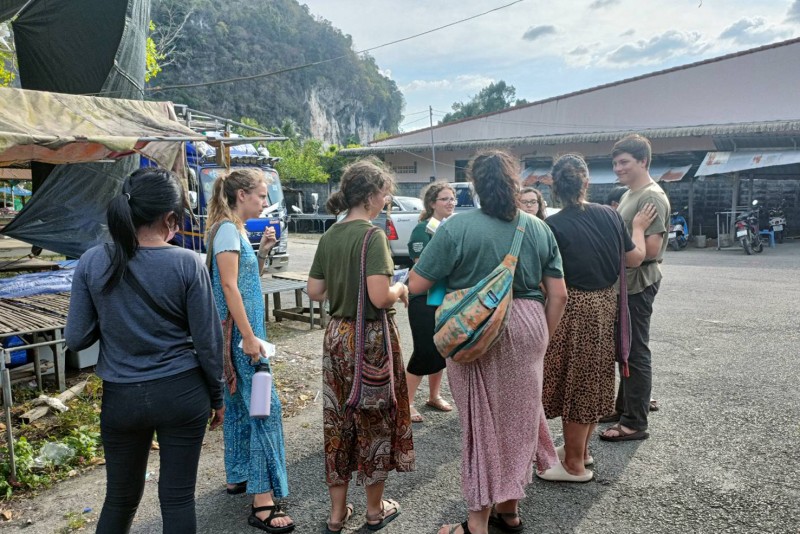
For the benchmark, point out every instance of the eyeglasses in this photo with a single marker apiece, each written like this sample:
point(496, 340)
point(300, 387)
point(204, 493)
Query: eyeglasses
point(449, 200)
point(529, 203)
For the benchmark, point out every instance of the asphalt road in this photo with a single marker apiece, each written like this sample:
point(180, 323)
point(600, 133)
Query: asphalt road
point(721, 457)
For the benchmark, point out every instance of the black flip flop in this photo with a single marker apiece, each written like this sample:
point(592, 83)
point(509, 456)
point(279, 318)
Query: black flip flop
point(624, 436)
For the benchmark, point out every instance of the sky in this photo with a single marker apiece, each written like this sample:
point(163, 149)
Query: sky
point(546, 48)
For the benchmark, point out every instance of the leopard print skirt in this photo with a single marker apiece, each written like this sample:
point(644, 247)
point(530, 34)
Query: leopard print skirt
point(579, 363)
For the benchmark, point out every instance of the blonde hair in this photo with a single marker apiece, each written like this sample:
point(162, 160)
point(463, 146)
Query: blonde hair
point(222, 205)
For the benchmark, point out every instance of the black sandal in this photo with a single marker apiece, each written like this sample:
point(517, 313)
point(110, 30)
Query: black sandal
point(265, 524)
point(238, 488)
point(497, 519)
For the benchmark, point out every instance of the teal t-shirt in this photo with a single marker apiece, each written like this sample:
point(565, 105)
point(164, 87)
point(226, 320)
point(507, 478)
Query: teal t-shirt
point(470, 245)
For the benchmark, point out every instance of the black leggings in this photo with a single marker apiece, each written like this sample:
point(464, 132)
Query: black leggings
point(177, 408)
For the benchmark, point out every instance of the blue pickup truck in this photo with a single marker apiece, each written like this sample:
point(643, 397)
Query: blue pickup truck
point(203, 170)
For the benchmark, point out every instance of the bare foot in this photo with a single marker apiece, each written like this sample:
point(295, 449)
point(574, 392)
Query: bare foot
point(614, 431)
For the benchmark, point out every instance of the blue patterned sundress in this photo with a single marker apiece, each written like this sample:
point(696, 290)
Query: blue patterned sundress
point(254, 450)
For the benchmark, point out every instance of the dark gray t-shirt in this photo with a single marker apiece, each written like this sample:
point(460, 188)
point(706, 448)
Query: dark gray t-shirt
point(136, 343)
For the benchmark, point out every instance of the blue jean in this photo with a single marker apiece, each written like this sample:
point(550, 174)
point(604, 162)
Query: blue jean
point(633, 397)
point(177, 408)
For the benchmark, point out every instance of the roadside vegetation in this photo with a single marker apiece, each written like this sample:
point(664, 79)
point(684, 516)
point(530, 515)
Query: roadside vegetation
point(78, 429)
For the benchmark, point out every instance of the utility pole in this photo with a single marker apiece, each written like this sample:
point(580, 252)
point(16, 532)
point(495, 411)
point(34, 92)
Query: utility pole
point(433, 147)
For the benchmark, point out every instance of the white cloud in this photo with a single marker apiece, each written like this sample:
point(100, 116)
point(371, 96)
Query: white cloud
point(597, 4)
point(464, 82)
point(536, 32)
point(669, 44)
point(754, 31)
point(627, 33)
point(386, 73)
point(579, 51)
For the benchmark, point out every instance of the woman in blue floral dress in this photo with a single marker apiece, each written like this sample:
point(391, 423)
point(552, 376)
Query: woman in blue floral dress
point(255, 461)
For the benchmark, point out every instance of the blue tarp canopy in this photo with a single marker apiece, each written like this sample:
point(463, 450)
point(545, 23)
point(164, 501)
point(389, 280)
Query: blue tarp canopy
point(16, 190)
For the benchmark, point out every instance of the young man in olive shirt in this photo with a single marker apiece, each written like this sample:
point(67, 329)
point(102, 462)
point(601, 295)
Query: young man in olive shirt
point(631, 159)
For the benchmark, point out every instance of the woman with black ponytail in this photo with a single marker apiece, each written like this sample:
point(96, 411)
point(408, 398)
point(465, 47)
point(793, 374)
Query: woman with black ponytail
point(150, 306)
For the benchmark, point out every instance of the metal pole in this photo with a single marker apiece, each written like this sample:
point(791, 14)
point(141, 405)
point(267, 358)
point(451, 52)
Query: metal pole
point(433, 146)
point(690, 230)
point(5, 376)
point(734, 204)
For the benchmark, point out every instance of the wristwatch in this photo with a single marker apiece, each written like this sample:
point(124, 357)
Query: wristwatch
point(264, 257)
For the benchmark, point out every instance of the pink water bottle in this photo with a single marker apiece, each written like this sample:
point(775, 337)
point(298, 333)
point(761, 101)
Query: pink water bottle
point(261, 392)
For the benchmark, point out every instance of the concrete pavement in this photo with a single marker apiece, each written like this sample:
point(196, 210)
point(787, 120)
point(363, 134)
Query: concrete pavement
point(721, 457)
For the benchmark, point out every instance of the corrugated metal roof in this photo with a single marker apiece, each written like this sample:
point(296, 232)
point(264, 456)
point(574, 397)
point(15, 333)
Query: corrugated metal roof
point(772, 128)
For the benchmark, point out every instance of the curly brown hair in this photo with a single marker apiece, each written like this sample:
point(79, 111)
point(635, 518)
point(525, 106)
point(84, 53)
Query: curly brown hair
point(360, 179)
point(495, 176)
point(429, 196)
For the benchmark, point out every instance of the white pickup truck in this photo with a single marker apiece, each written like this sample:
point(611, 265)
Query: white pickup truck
point(404, 216)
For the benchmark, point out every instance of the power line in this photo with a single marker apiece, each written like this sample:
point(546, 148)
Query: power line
point(320, 62)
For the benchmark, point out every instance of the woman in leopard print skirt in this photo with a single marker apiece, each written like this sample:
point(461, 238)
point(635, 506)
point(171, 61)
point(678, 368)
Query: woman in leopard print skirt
point(579, 363)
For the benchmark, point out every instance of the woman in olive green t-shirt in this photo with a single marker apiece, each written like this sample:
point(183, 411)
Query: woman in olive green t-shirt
point(369, 443)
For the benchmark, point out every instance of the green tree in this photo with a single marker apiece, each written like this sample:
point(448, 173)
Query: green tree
point(153, 56)
point(494, 97)
point(300, 160)
point(333, 163)
point(8, 56)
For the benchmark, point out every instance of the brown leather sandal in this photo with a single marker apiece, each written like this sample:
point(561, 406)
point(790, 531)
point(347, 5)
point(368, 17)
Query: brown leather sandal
point(334, 527)
point(383, 518)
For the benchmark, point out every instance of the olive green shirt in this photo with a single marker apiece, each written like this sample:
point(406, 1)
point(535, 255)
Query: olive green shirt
point(338, 260)
point(470, 245)
point(649, 272)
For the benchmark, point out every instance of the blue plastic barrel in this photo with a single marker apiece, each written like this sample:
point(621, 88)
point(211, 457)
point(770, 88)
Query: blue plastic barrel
point(18, 357)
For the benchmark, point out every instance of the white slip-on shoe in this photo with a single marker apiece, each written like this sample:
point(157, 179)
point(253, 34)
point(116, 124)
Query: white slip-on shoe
point(557, 473)
point(561, 455)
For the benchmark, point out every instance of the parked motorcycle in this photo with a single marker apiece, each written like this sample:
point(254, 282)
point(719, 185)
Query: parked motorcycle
point(678, 231)
point(747, 230)
point(777, 223)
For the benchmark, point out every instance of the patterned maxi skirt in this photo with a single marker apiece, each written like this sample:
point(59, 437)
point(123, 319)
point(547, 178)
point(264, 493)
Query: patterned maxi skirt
point(579, 364)
point(499, 400)
point(370, 443)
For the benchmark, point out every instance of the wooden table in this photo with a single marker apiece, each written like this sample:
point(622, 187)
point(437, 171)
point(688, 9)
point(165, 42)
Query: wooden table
point(289, 281)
